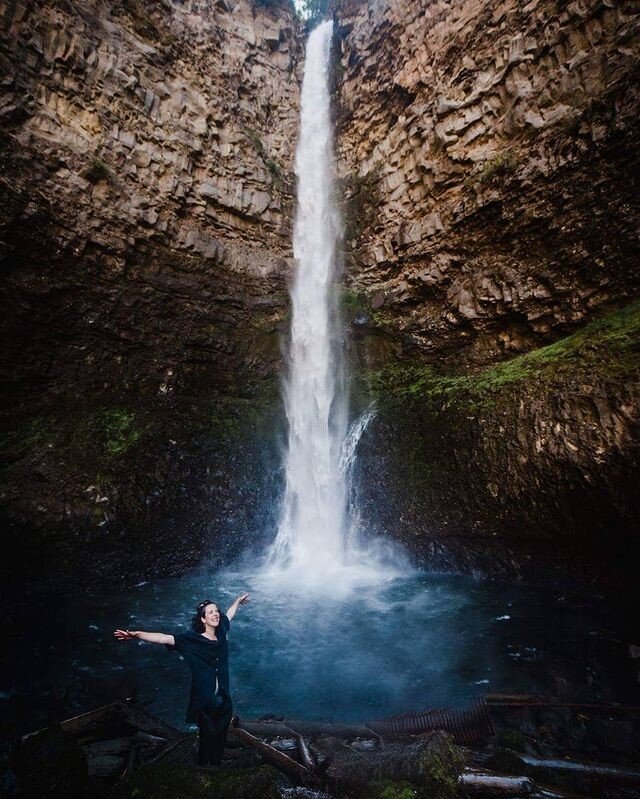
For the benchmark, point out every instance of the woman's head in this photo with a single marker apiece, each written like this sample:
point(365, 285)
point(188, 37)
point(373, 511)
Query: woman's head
point(207, 614)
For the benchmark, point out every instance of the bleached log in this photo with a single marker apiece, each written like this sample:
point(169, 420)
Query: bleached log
point(481, 784)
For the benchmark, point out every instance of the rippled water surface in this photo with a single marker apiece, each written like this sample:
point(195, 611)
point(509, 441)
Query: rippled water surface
point(409, 643)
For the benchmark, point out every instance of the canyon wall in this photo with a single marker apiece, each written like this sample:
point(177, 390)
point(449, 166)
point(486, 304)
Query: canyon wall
point(488, 162)
point(146, 197)
point(489, 158)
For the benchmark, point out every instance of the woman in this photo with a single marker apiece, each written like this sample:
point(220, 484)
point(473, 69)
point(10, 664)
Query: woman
point(204, 648)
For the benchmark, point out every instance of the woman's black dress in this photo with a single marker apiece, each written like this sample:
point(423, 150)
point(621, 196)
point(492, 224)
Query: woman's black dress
point(210, 699)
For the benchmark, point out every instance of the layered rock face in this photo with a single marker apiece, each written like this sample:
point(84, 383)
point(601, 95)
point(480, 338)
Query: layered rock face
point(490, 153)
point(146, 206)
point(489, 156)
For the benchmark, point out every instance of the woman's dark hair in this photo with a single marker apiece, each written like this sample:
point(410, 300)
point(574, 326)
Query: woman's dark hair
point(197, 625)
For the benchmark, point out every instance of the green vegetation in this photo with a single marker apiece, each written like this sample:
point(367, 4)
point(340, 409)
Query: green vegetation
point(278, 178)
point(361, 193)
point(352, 302)
point(502, 164)
point(391, 790)
point(117, 430)
point(608, 347)
point(512, 739)
point(254, 138)
point(170, 780)
point(441, 781)
point(384, 321)
point(32, 434)
point(98, 171)
point(103, 434)
point(241, 417)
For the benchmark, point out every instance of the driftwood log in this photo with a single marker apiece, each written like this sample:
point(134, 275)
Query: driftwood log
point(482, 783)
point(587, 778)
point(287, 728)
point(533, 701)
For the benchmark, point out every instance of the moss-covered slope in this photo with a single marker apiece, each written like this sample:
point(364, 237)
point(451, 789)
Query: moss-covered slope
point(529, 463)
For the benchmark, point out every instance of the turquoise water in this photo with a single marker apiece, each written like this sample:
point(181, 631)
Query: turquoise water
point(408, 643)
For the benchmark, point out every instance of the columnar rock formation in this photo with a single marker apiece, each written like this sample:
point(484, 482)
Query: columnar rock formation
point(490, 156)
point(491, 150)
point(146, 198)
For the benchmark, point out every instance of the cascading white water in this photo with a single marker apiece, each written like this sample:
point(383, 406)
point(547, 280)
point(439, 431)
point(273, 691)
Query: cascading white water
point(312, 523)
point(317, 533)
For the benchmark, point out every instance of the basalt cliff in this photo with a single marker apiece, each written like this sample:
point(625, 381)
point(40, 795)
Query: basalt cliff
point(489, 157)
point(488, 164)
point(147, 187)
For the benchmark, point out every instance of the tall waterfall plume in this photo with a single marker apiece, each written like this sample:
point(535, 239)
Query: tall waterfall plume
point(315, 537)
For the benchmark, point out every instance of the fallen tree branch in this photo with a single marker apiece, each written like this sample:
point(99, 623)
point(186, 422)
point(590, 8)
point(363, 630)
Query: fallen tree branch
point(278, 759)
point(169, 748)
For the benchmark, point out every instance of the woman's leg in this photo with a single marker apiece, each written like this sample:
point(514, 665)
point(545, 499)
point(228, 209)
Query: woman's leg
point(213, 724)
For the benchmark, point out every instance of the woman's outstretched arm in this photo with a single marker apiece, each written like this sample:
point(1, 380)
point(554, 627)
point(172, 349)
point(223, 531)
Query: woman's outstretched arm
point(241, 600)
point(152, 638)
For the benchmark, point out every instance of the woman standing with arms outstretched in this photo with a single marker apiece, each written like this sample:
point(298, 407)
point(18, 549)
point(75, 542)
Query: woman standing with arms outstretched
point(205, 651)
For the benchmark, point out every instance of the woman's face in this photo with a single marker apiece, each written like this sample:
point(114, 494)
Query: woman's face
point(211, 615)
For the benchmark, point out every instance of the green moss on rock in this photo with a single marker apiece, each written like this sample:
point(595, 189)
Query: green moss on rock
point(609, 347)
point(169, 781)
point(392, 790)
point(444, 768)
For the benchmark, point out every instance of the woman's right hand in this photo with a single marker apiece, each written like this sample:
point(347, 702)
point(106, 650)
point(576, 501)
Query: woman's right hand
point(126, 635)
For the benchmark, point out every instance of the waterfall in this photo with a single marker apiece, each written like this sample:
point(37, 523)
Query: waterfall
point(314, 505)
point(316, 533)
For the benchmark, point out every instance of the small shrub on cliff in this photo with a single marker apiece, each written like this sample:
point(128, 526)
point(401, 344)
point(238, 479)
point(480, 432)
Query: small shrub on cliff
point(98, 171)
point(361, 199)
point(120, 431)
point(113, 430)
point(502, 164)
point(278, 178)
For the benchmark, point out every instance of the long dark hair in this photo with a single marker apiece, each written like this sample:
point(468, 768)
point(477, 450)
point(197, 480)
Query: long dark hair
point(197, 625)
